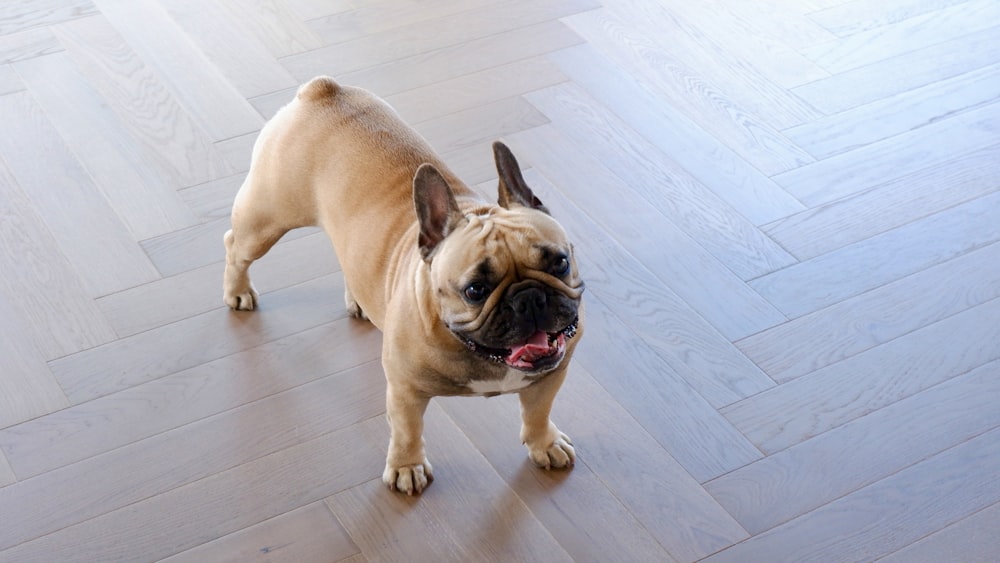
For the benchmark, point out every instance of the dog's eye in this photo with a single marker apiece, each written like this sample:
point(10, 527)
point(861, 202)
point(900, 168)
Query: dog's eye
point(476, 292)
point(561, 267)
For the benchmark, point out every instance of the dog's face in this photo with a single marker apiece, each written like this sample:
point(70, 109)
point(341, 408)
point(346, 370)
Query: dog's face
point(504, 277)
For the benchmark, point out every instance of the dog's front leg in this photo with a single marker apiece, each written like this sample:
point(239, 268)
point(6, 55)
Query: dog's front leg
point(406, 467)
point(547, 446)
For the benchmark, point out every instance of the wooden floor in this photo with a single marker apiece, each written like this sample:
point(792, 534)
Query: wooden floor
point(787, 214)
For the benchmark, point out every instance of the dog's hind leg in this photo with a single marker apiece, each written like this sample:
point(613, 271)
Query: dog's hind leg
point(252, 235)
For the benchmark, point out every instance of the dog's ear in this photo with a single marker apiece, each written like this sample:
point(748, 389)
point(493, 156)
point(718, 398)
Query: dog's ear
point(513, 189)
point(437, 210)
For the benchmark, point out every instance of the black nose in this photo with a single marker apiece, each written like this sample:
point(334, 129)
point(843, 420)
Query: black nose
point(529, 301)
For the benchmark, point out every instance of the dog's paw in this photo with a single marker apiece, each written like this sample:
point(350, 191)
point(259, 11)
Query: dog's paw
point(559, 454)
point(242, 301)
point(409, 479)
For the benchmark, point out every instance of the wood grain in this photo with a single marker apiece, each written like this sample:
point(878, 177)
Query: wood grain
point(854, 17)
point(27, 387)
point(481, 125)
point(31, 14)
point(424, 37)
point(908, 507)
point(868, 264)
point(28, 44)
point(310, 533)
point(140, 190)
point(9, 80)
point(815, 472)
point(275, 24)
point(103, 424)
point(744, 133)
point(875, 317)
point(882, 42)
point(910, 110)
point(199, 339)
point(41, 285)
point(970, 539)
point(244, 495)
point(722, 230)
point(242, 444)
point(108, 259)
point(210, 99)
point(6, 473)
point(890, 205)
point(832, 396)
point(912, 69)
point(711, 162)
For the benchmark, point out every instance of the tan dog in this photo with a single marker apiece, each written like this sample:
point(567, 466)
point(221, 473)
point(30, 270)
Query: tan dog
point(472, 298)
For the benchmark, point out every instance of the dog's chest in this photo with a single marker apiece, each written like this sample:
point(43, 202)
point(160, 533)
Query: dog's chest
point(514, 380)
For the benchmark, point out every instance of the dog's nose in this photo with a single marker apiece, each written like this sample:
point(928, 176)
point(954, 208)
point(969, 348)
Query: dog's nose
point(529, 302)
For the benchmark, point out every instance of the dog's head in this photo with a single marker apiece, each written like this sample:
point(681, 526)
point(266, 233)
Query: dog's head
point(504, 276)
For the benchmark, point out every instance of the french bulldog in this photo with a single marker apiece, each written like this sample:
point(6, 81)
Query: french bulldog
point(472, 298)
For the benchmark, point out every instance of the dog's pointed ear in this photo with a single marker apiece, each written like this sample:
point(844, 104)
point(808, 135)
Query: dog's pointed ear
point(437, 210)
point(513, 189)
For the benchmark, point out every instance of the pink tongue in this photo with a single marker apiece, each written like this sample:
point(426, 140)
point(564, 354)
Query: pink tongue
point(534, 347)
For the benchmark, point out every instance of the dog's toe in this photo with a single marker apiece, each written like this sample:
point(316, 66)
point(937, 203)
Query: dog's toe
point(560, 454)
point(244, 301)
point(408, 479)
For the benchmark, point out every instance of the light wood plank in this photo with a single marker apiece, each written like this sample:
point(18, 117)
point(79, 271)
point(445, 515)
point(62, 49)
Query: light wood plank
point(868, 264)
point(213, 200)
point(249, 441)
point(915, 68)
point(478, 54)
point(703, 156)
point(829, 397)
point(604, 434)
point(161, 351)
point(877, 44)
point(878, 316)
point(28, 44)
point(475, 508)
point(782, 20)
point(196, 291)
point(217, 504)
point(312, 9)
point(131, 415)
point(9, 80)
point(108, 259)
point(480, 125)
point(686, 267)
point(475, 89)
point(893, 204)
point(889, 514)
point(394, 44)
point(210, 99)
point(310, 533)
point(809, 475)
point(28, 14)
point(139, 189)
point(681, 338)
point(854, 17)
point(378, 16)
point(40, 284)
point(971, 540)
point(910, 110)
point(171, 140)
point(713, 110)
point(238, 150)
point(6, 473)
point(738, 40)
point(274, 24)
point(27, 387)
point(698, 211)
point(853, 171)
point(244, 60)
point(474, 164)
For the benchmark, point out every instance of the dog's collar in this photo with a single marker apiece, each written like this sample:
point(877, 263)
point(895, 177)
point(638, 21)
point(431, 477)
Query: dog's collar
point(499, 355)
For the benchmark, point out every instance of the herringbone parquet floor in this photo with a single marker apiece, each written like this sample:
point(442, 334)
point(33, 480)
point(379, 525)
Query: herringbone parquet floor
point(787, 213)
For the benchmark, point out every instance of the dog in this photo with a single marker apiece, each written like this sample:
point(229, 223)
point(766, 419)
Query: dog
point(472, 298)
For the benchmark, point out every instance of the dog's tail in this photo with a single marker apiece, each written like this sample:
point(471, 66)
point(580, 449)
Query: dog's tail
point(318, 89)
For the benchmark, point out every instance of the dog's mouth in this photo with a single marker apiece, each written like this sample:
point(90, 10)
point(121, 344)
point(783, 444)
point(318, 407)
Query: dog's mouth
point(541, 351)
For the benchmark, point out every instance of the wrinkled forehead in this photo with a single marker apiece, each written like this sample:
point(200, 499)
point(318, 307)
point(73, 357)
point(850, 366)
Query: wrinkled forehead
point(502, 239)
